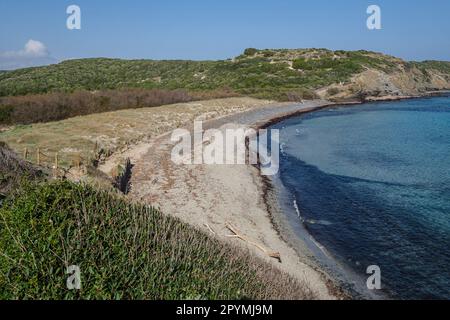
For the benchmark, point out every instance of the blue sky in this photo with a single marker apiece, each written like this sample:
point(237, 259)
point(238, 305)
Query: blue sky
point(218, 29)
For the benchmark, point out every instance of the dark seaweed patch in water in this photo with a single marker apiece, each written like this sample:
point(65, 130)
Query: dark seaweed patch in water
point(364, 230)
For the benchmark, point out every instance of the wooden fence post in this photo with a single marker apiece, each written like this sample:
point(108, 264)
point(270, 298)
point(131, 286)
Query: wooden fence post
point(25, 154)
point(55, 166)
point(78, 160)
point(38, 156)
point(56, 160)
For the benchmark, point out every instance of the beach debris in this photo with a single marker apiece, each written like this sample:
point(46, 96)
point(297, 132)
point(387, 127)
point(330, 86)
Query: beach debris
point(237, 234)
point(210, 229)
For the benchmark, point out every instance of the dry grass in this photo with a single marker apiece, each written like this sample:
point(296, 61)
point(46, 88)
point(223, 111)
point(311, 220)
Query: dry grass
point(116, 130)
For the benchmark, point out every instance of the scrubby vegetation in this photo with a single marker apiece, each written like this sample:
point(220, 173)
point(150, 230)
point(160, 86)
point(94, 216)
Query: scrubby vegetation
point(58, 106)
point(443, 66)
point(265, 73)
point(271, 74)
point(124, 251)
point(97, 74)
point(250, 52)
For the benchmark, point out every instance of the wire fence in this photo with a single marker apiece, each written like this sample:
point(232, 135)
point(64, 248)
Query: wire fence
point(60, 162)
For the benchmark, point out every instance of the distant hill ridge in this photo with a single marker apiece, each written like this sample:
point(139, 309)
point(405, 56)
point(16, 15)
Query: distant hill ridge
point(282, 74)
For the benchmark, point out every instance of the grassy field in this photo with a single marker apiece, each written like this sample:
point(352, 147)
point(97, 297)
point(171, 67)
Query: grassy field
point(123, 250)
point(112, 131)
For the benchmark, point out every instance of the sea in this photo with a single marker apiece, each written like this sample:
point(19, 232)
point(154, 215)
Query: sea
point(371, 184)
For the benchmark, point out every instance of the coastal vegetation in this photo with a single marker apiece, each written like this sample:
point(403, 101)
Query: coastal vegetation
point(124, 250)
point(93, 108)
point(76, 87)
point(35, 108)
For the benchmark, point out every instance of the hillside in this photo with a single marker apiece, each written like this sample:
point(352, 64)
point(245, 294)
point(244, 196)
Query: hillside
point(123, 250)
point(277, 74)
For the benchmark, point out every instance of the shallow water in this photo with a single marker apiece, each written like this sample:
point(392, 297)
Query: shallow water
point(372, 184)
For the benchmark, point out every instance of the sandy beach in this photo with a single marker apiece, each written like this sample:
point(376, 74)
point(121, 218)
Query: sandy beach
point(215, 197)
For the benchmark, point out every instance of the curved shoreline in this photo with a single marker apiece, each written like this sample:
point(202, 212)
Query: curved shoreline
point(340, 280)
point(211, 196)
point(344, 279)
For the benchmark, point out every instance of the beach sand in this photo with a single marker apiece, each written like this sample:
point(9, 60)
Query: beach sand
point(214, 197)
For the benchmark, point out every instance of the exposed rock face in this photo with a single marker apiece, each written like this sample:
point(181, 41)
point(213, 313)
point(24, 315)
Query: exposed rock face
point(373, 84)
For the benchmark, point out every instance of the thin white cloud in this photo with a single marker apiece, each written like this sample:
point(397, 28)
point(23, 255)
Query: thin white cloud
point(34, 53)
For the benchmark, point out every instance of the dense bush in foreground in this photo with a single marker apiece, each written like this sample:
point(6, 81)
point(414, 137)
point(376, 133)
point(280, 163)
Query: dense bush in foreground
point(124, 251)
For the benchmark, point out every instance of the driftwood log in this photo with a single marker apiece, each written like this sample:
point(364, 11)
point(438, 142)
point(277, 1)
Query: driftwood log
point(237, 234)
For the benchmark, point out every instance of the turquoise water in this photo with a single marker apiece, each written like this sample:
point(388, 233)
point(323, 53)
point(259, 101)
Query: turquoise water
point(372, 184)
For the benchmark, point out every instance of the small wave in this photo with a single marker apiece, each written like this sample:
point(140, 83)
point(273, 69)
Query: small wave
point(301, 132)
point(309, 221)
point(319, 222)
point(314, 241)
point(282, 145)
point(318, 245)
point(297, 210)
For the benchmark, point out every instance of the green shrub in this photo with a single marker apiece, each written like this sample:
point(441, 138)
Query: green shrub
point(124, 251)
point(332, 91)
point(5, 114)
point(300, 94)
point(268, 53)
point(250, 52)
point(58, 106)
point(301, 64)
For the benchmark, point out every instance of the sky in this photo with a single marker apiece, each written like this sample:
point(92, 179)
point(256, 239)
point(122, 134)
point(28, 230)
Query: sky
point(35, 32)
